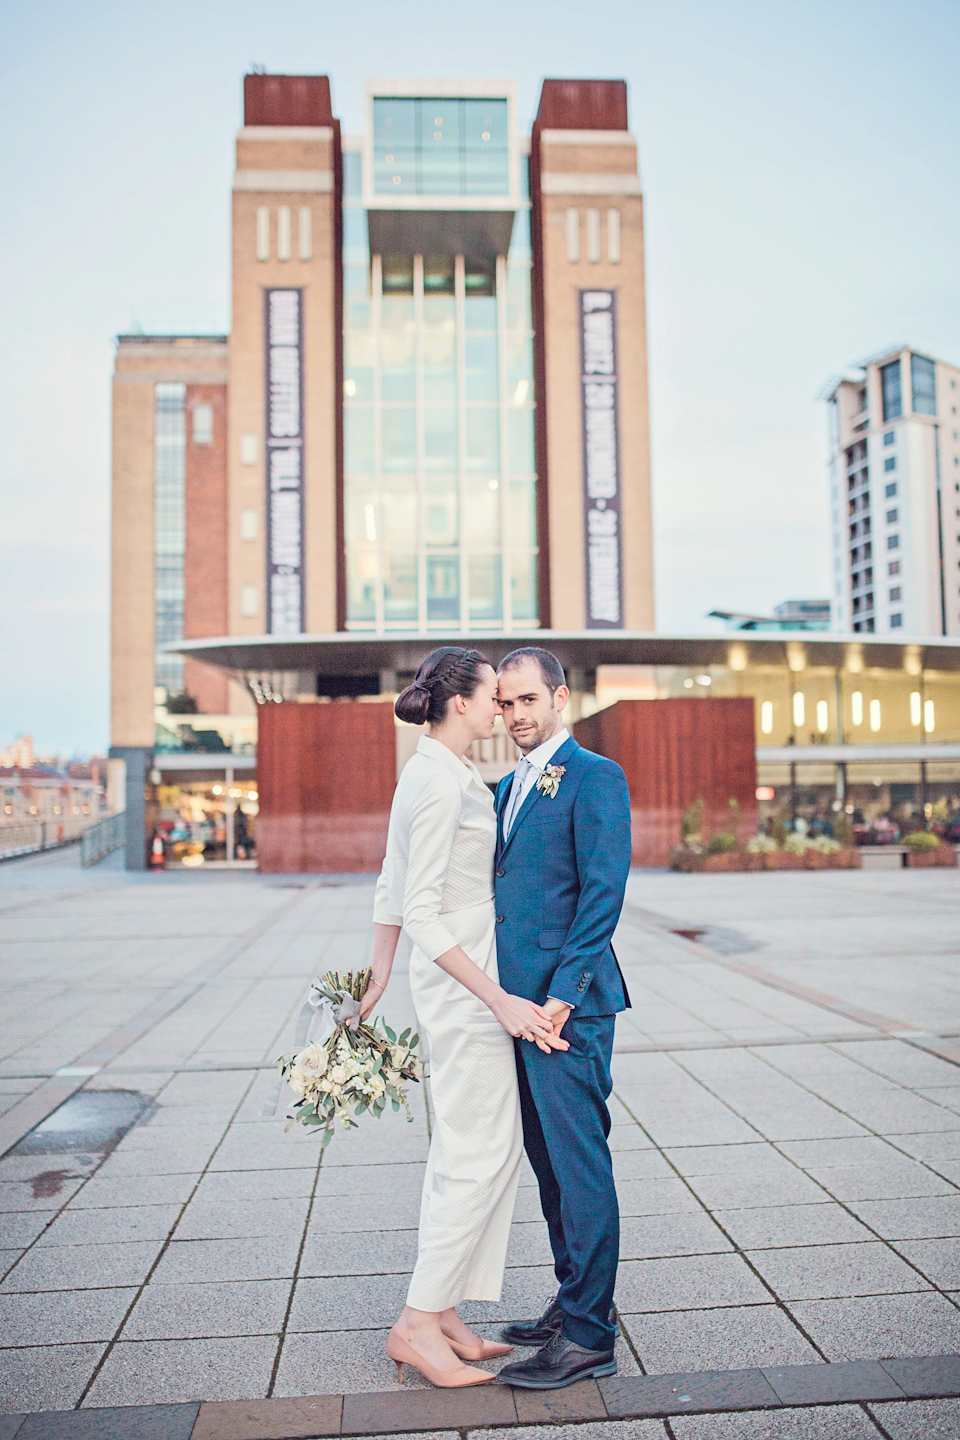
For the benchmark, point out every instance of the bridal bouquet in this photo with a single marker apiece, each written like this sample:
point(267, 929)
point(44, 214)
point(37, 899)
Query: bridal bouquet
point(357, 1067)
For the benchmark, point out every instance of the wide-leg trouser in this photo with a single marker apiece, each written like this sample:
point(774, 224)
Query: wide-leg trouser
point(563, 1100)
point(476, 1149)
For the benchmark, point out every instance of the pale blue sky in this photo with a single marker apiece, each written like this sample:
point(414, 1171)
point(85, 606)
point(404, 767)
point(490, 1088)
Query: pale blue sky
point(799, 163)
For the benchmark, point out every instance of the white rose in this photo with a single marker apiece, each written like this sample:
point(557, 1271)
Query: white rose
point(338, 1074)
point(313, 1061)
point(298, 1082)
point(394, 1077)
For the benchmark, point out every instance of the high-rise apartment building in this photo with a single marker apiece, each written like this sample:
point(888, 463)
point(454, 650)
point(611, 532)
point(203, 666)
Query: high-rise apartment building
point(895, 495)
point(430, 415)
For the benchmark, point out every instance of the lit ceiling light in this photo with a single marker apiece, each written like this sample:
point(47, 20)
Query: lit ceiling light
point(438, 119)
point(521, 392)
point(396, 179)
point(688, 684)
point(494, 484)
point(389, 159)
point(704, 680)
point(350, 388)
point(485, 135)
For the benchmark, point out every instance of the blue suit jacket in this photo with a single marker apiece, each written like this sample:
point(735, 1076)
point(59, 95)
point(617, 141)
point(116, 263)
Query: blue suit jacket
point(560, 880)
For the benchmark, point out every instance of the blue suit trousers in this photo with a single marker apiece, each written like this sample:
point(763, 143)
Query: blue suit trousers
point(563, 1101)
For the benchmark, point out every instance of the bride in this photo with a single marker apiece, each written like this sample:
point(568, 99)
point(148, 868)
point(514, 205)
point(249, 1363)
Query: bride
point(437, 885)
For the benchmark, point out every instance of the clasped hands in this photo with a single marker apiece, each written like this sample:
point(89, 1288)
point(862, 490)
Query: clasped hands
point(540, 1024)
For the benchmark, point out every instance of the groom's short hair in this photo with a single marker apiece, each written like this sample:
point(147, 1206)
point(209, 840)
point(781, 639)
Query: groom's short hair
point(551, 671)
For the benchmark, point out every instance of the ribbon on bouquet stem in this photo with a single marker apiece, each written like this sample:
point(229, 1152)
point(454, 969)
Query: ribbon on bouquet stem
point(318, 1019)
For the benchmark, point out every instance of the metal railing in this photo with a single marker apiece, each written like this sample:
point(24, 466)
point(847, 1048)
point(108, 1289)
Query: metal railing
point(26, 837)
point(102, 838)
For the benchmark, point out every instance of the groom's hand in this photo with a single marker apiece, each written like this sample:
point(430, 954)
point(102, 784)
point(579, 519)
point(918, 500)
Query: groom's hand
point(558, 1012)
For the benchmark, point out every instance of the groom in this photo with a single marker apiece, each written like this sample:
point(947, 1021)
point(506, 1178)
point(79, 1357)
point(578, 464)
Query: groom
point(563, 856)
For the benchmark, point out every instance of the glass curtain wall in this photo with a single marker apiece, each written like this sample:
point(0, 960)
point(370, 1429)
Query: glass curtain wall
point(169, 478)
point(439, 472)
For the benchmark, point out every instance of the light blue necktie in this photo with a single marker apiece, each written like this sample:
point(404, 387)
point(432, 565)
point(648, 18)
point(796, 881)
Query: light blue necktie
point(516, 792)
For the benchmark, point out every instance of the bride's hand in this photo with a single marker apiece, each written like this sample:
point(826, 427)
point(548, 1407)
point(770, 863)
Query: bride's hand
point(525, 1020)
point(371, 997)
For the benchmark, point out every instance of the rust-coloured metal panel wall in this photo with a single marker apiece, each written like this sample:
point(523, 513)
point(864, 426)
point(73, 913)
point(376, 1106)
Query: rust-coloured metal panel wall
point(287, 100)
point(205, 556)
point(674, 751)
point(326, 776)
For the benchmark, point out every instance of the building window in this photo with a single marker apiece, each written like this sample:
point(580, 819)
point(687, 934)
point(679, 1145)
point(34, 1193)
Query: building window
point(856, 707)
point(799, 708)
point(894, 567)
point(440, 146)
point(766, 717)
point(862, 399)
point(249, 450)
point(923, 383)
point(896, 622)
point(890, 463)
point(263, 232)
point(283, 232)
point(249, 524)
point(203, 424)
point(169, 521)
point(892, 516)
point(893, 542)
point(613, 236)
point(891, 390)
point(891, 490)
point(593, 236)
point(306, 233)
point(875, 715)
point(823, 716)
point(894, 594)
point(573, 236)
point(889, 436)
point(249, 601)
point(929, 717)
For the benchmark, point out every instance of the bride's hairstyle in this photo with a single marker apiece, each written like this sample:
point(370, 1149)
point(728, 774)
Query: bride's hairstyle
point(446, 672)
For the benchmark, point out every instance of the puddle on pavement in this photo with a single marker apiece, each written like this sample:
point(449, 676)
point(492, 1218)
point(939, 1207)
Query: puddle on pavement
point(91, 1122)
point(719, 939)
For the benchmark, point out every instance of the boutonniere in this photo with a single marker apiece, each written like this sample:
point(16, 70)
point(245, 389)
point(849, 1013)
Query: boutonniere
point(550, 777)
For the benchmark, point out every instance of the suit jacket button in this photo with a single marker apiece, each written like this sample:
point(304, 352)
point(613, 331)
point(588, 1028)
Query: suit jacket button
point(500, 874)
point(499, 919)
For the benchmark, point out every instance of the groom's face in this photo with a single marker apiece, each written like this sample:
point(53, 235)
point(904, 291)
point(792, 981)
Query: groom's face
point(531, 712)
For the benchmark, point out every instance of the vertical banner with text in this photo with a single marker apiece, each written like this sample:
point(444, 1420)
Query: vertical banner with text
point(284, 340)
point(601, 458)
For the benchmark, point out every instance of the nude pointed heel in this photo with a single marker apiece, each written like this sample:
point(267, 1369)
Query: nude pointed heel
point(487, 1350)
point(402, 1353)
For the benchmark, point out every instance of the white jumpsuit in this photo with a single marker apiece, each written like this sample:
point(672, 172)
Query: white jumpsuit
point(437, 881)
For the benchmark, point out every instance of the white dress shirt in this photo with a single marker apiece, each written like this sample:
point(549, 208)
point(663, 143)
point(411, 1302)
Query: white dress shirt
point(527, 776)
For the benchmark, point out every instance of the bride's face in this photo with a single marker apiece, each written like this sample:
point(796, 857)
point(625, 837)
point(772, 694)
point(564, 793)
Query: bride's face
point(482, 708)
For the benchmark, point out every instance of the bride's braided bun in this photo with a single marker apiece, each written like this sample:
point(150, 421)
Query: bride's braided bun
point(446, 672)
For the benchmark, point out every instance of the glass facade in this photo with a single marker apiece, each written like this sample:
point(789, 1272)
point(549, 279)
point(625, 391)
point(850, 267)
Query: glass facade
point(439, 469)
point(426, 146)
point(169, 477)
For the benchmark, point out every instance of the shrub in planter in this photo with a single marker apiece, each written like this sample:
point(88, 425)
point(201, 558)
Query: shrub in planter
point(722, 843)
point(920, 840)
point(927, 856)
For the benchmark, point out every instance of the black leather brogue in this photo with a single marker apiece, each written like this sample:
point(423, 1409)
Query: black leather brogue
point(560, 1362)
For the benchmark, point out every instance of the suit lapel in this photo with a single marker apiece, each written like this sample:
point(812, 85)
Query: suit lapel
point(500, 801)
point(534, 795)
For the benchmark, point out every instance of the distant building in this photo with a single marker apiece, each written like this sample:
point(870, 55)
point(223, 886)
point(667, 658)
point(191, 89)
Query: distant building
point(19, 753)
point(788, 615)
point(895, 495)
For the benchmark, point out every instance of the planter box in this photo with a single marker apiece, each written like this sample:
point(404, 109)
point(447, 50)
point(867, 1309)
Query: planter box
point(925, 859)
point(689, 862)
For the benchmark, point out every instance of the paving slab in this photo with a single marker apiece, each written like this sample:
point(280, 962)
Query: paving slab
point(827, 1384)
point(268, 1419)
point(686, 1394)
point(919, 1419)
point(839, 1422)
point(146, 1422)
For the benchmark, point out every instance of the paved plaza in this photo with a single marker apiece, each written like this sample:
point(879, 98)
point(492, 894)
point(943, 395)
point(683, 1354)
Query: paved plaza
point(786, 1137)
